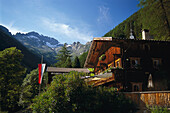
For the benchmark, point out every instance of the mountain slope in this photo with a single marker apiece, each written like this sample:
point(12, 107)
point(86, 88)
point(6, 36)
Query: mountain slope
point(49, 47)
point(77, 48)
point(39, 44)
point(30, 60)
point(150, 17)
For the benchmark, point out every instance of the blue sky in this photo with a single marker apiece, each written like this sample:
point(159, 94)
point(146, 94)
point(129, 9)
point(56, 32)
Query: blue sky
point(65, 20)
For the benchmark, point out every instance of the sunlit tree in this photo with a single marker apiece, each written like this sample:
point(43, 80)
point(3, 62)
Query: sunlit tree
point(11, 76)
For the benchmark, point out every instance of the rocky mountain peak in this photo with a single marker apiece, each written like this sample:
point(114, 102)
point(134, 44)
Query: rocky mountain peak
point(34, 38)
point(33, 33)
point(47, 46)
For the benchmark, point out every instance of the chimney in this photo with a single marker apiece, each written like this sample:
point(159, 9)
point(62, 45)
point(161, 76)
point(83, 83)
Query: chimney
point(145, 34)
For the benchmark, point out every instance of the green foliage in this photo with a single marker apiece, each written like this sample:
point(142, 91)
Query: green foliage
point(11, 76)
point(76, 62)
point(62, 56)
point(82, 58)
point(30, 60)
point(143, 3)
point(55, 99)
point(153, 16)
point(68, 63)
point(70, 94)
point(91, 69)
point(156, 109)
point(30, 87)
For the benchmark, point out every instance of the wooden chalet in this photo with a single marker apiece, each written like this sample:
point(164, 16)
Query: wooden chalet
point(131, 62)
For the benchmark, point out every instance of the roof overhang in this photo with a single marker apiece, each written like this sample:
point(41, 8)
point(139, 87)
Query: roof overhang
point(66, 70)
point(102, 44)
point(98, 47)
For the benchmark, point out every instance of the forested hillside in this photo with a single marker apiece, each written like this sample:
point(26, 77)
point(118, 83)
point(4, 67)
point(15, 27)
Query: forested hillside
point(30, 60)
point(154, 16)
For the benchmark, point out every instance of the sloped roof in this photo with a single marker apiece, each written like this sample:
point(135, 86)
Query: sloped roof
point(101, 44)
point(66, 70)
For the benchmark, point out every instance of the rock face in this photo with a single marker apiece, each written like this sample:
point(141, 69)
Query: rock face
point(49, 47)
point(46, 46)
point(37, 40)
point(30, 60)
point(77, 48)
point(39, 44)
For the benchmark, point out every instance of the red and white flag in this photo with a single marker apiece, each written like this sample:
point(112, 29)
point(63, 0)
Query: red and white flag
point(41, 68)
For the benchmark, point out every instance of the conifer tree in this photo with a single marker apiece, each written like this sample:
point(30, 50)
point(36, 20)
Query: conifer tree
point(162, 10)
point(62, 56)
point(68, 63)
point(82, 59)
point(153, 16)
point(76, 63)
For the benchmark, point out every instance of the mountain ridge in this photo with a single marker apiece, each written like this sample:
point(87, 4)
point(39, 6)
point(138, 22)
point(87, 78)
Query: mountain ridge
point(48, 46)
point(30, 60)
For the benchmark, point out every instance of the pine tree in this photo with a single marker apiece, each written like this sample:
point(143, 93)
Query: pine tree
point(152, 16)
point(82, 59)
point(62, 56)
point(68, 63)
point(76, 63)
point(159, 10)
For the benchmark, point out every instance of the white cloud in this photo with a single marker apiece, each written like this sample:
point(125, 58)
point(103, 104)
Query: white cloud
point(104, 15)
point(66, 30)
point(13, 29)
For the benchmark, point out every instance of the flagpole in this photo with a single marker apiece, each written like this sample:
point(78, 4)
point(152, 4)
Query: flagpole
point(40, 84)
point(41, 59)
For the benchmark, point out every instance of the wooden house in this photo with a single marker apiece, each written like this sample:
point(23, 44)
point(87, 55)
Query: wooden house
point(131, 62)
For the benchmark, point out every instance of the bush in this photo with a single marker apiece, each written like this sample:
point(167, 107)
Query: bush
point(156, 109)
point(70, 94)
point(30, 88)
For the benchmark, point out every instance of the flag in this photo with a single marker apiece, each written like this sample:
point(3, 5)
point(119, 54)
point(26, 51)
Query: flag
point(41, 68)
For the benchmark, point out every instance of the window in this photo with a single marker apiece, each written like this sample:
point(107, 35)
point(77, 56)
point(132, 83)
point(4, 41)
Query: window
point(156, 62)
point(135, 62)
point(118, 62)
point(146, 47)
point(136, 86)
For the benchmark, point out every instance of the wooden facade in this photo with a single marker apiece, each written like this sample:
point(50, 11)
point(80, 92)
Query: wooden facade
point(149, 98)
point(131, 61)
